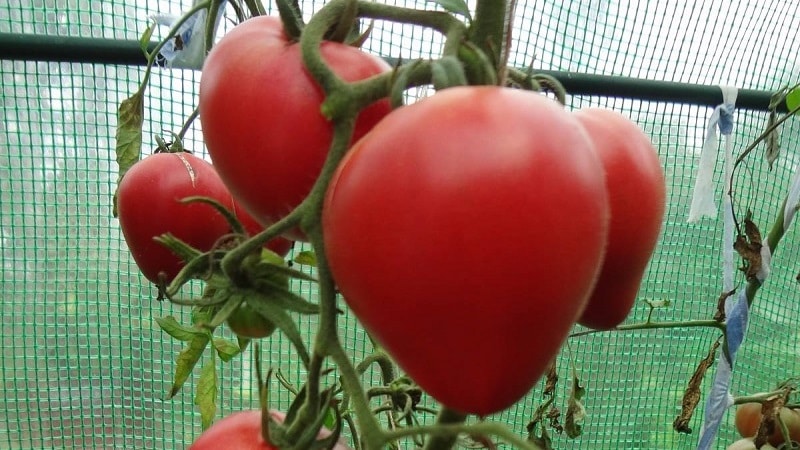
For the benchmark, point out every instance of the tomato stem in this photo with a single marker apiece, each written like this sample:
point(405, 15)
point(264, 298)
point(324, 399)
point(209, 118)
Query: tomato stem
point(441, 441)
point(481, 428)
point(489, 29)
point(656, 325)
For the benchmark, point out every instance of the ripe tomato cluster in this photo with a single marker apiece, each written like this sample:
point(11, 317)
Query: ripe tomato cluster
point(468, 232)
point(749, 418)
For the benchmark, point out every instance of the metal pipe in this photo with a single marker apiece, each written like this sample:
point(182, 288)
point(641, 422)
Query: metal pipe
point(31, 47)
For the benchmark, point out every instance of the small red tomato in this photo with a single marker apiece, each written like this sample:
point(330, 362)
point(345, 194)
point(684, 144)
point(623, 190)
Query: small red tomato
point(748, 420)
point(242, 431)
point(637, 196)
point(149, 205)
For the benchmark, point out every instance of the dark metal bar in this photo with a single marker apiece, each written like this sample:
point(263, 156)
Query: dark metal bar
point(34, 47)
point(30, 47)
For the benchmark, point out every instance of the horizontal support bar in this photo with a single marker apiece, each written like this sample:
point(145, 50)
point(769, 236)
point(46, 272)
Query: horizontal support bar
point(31, 47)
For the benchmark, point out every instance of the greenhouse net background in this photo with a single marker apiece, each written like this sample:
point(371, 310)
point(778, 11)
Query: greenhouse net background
point(84, 364)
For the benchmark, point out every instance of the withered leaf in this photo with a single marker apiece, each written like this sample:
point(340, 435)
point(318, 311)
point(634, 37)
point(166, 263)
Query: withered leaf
point(691, 397)
point(748, 246)
point(719, 316)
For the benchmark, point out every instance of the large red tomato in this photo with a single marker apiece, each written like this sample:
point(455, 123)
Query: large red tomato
point(637, 194)
point(466, 232)
point(242, 431)
point(261, 119)
point(148, 204)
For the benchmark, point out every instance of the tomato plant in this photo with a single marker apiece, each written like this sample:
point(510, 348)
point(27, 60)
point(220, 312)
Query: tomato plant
point(465, 232)
point(242, 431)
point(637, 196)
point(149, 205)
point(261, 119)
point(748, 420)
point(280, 245)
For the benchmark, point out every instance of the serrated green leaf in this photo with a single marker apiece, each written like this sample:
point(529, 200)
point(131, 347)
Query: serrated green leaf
point(306, 258)
point(793, 99)
point(187, 359)
point(206, 393)
point(176, 330)
point(144, 41)
point(130, 118)
point(226, 349)
point(454, 6)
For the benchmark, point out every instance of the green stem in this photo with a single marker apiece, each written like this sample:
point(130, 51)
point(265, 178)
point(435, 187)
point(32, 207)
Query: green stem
point(755, 143)
point(656, 325)
point(444, 441)
point(454, 30)
point(758, 398)
point(232, 260)
point(481, 428)
point(488, 28)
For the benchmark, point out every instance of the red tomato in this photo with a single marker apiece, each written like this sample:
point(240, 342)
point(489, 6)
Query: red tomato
point(279, 245)
point(637, 195)
point(260, 113)
point(242, 431)
point(148, 205)
point(465, 232)
point(748, 420)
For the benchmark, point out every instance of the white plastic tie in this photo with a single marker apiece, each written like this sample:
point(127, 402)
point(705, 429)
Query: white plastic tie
point(190, 52)
point(703, 204)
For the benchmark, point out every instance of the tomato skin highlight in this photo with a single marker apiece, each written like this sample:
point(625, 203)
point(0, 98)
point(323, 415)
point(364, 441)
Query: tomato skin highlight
point(637, 194)
point(242, 431)
point(261, 119)
point(465, 232)
point(148, 205)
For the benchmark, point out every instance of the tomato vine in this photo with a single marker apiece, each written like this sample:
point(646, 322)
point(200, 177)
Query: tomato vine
point(473, 53)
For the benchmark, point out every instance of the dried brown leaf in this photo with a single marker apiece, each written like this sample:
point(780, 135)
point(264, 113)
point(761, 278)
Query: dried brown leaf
point(691, 396)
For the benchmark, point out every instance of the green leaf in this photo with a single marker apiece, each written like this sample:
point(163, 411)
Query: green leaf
point(130, 118)
point(330, 419)
point(793, 99)
point(454, 6)
point(289, 272)
point(176, 330)
point(306, 258)
point(286, 299)
point(144, 41)
point(206, 394)
point(187, 359)
point(226, 349)
point(202, 314)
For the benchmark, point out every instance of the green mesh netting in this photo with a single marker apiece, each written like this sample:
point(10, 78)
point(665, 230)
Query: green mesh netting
point(84, 365)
